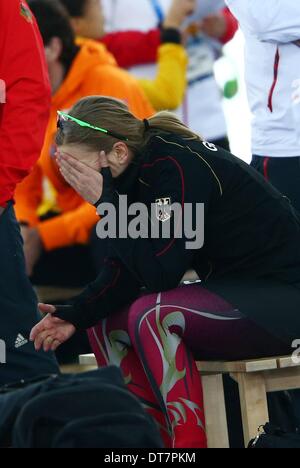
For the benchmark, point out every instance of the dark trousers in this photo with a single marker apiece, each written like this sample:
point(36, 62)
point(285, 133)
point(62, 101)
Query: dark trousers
point(18, 310)
point(283, 173)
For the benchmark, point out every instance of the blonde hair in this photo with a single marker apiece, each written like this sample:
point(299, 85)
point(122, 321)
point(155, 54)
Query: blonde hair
point(113, 115)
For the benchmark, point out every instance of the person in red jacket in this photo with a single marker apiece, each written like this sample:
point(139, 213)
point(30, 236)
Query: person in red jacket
point(24, 107)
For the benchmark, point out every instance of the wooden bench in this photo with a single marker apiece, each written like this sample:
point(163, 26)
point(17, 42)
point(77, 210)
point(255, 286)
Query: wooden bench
point(255, 379)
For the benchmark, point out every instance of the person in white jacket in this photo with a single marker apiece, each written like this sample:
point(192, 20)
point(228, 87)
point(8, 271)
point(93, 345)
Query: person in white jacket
point(272, 32)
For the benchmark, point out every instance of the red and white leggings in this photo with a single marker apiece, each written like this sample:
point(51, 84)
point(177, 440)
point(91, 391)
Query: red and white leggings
point(156, 341)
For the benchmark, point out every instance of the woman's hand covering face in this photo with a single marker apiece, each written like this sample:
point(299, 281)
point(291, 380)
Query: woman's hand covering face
point(87, 182)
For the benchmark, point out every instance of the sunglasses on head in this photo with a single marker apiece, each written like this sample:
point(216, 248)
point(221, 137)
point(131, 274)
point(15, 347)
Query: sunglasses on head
point(63, 118)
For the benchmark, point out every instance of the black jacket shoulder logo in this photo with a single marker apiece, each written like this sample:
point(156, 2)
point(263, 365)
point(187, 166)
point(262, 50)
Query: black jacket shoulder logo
point(210, 146)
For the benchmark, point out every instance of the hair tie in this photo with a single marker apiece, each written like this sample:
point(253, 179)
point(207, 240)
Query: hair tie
point(147, 125)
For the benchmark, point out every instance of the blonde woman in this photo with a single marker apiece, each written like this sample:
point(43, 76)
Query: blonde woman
point(247, 305)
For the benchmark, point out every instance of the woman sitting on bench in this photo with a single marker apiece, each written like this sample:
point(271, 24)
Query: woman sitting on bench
point(247, 305)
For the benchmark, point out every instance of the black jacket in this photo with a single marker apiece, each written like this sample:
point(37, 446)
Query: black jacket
point(251, 231)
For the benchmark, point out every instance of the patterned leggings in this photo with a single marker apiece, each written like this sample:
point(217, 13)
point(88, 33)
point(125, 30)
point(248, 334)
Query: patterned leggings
point(156, 341)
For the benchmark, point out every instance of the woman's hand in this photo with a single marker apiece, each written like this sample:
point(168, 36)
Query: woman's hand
point(178, 12)
point(86, 181)
point(51, 332)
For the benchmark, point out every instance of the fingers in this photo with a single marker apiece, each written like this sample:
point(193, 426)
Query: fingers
point(78, 175)
point(35, 331)
point(44, 340)
point(68, 171)
point(70, 161)
point(72, 170)
point(47, 343)
point(55, 345)
point(48, 340)
point(39, 328)
point(46, 308)
point(51, 344)
point(79, 184)
point(72, 180)
point(103, 159)
point(47, 323)
point(74, 166)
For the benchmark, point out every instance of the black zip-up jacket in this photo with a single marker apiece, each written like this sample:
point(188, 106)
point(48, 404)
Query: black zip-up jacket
point(251, 231)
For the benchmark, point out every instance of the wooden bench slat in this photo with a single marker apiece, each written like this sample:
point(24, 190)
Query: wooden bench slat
point(87, 360)
point(261, 365)
point(258, 365)
point(76, 369)
point(286, 362)
point(282, 379)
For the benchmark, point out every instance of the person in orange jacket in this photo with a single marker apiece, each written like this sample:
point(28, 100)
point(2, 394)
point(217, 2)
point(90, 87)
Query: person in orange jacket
point(76, 69)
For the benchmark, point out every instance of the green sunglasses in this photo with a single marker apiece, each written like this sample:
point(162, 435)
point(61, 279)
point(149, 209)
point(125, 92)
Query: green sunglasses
point(63, 117)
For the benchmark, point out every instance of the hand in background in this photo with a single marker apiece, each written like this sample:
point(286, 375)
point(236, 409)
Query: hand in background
point(178, 12)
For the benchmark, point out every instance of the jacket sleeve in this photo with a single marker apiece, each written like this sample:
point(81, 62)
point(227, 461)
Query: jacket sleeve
point(25, 110)
point(114, 289)
point(132, 48)
point(231, 26)
point(70, 228)
point(167, 90)
point(158, 264)
point(274, 21)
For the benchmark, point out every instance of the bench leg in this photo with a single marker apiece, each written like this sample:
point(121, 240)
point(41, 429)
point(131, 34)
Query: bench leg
point(215, 412)
point(254, 404)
